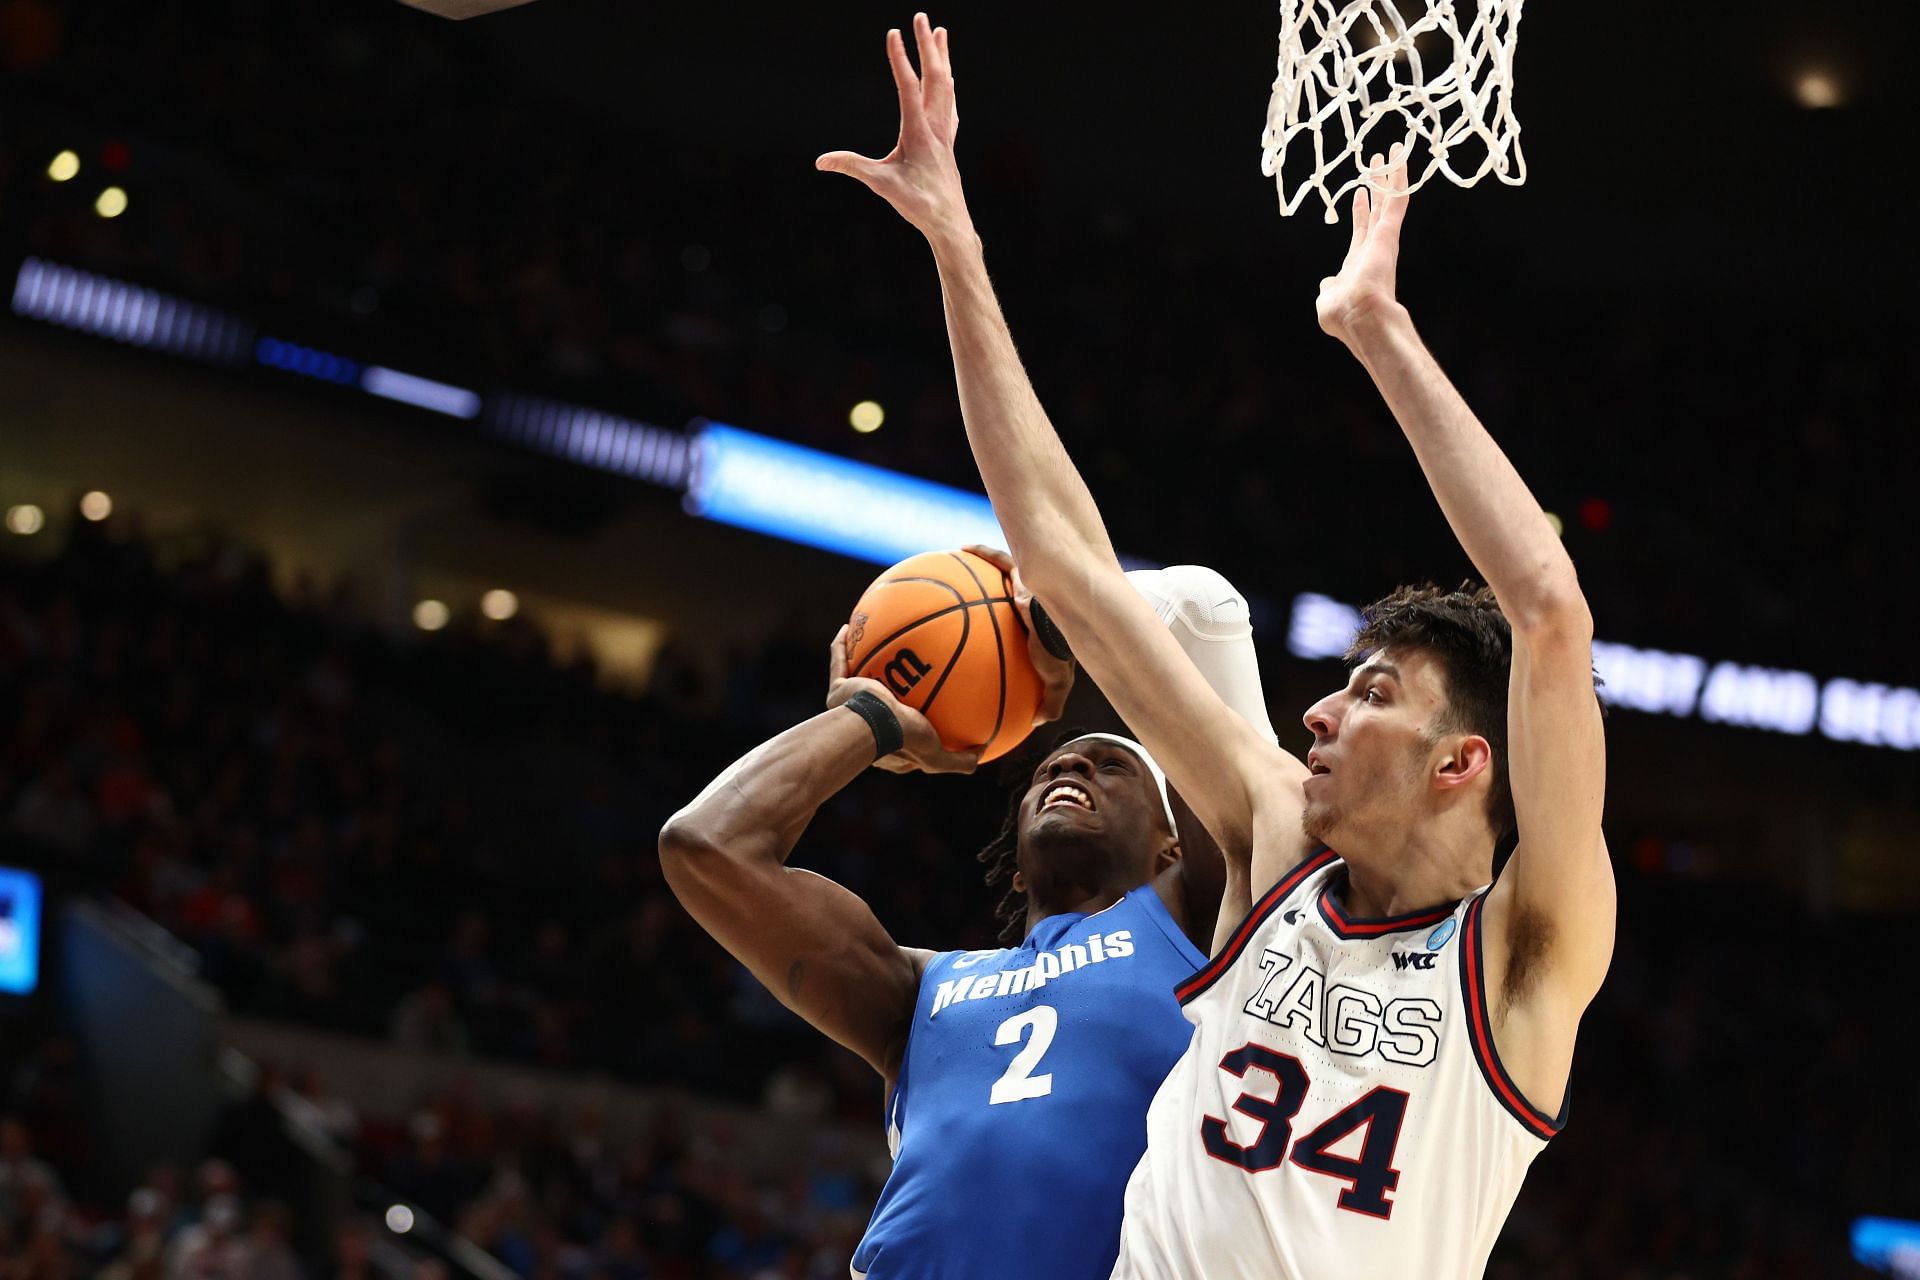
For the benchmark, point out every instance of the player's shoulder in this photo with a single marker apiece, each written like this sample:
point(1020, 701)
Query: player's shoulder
point(1280, 900)
point(918, 958)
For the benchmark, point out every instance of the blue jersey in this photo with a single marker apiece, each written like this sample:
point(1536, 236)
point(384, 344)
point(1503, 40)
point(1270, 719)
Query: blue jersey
point(1021, 1106)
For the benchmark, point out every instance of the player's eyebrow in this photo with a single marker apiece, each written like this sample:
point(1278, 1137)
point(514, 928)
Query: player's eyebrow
point(1376, 667)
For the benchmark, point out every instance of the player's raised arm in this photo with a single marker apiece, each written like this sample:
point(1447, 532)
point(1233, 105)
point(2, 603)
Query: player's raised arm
point(1551, 916)
point(1225, 769)
point(815, 945)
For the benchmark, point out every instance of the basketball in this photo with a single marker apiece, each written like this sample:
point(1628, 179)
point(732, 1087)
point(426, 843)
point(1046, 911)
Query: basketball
point(940, 631)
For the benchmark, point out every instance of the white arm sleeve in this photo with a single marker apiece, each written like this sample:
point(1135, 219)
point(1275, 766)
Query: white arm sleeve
point(1213, 624)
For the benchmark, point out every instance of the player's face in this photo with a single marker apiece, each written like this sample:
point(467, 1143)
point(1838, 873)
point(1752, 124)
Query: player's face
point(1092, 804)
point(1372, 745)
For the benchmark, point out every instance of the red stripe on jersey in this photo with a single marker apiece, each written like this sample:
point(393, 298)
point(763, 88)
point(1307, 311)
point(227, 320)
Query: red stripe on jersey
point(1273, 897)
point(1346, 927)
point(1480, 1028)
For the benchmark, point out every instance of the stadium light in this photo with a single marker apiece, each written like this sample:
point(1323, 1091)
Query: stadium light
point(431, 615)
point(399, 1219)
point(96, 506)
point(111, 203)
point(499, 604)
point(64, 167)
point(867, 416)
point(26, 519)
point(1818, 90)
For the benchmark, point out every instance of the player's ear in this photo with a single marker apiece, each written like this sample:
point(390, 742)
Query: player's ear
point(1169, 854)
point(1469, 756)
point(1019, 882)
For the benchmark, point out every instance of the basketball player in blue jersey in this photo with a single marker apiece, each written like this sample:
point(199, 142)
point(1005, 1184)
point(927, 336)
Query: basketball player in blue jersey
point(1384, 1044)
point(1017, 1079)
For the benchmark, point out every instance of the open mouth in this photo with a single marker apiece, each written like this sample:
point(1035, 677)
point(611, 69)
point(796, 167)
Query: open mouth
point(1067, 793)
point(1314, 766)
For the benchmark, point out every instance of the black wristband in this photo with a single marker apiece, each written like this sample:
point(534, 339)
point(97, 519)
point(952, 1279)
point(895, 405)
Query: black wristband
point(1050, 637)
point(888, 737)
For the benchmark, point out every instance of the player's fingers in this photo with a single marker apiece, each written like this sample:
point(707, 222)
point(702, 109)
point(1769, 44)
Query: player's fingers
point(851, 163)
point(927, 46)
point(965, 761)
point(1395, 208)
point(1022, 597)
point(837, 657)
point(912, 112)
point(946, 70)
point(994, 556)
point(935, 69)
point(1362, 214)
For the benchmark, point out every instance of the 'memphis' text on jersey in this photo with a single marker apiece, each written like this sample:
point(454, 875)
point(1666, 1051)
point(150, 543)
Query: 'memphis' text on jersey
point(1047, 966)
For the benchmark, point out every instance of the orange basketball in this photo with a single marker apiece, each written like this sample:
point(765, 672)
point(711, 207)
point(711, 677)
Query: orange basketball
point(940, 631)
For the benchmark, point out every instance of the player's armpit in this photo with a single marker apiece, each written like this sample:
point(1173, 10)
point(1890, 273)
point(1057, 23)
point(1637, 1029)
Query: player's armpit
point(811, 942)
point(815, 945)
point(1549, 927)
point(1560, 876)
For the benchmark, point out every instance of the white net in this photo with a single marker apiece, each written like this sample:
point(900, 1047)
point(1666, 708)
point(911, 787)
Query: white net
point(1356, 76)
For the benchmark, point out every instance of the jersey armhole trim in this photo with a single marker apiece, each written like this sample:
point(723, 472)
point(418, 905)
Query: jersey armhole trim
point(1157, 912)
point(1473, 987)
point(891, 1099)
point(1269, 902)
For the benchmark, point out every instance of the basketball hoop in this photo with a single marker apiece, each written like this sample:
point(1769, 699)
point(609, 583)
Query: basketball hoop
point(1349, 69)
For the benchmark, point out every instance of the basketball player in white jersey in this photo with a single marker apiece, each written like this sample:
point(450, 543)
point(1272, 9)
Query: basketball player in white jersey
point(1384, 1044)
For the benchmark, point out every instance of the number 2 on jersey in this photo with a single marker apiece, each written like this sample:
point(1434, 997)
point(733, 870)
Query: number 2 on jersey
point(1368, 1177)
point(1019, 1083)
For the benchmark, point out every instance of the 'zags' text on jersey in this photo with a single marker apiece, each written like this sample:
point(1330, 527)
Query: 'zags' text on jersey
point(1345, 1018)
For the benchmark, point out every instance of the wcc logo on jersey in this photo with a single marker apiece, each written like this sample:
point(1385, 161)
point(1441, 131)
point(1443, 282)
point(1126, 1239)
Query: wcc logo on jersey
point(1404, 960)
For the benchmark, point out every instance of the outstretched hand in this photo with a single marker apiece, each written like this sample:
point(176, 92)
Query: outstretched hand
point(921, 751)
point(1365, 286)
point(919, 177)
point(1056, 674)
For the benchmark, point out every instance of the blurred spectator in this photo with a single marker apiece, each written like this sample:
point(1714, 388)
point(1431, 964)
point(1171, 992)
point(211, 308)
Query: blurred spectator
point(211, 1249)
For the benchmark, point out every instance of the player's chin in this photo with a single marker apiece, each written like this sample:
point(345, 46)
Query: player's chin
point(1318, 820)
point(1064, 818)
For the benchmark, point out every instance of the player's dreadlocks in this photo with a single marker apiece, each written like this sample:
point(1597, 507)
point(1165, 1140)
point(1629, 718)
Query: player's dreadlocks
point(1002, 854)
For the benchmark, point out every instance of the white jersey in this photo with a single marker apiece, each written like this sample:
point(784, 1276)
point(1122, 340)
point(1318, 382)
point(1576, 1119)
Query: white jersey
point(1340, 1111)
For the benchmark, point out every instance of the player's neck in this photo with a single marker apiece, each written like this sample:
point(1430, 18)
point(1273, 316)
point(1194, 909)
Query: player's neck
point(1084, 904)
point(1426, 869)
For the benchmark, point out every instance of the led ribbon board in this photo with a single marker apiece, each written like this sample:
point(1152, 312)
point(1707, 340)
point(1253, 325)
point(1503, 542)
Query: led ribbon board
point(806, 496)
point(19, 931)
point(128, 313)
point(1686, 686)
point(1891, 1245)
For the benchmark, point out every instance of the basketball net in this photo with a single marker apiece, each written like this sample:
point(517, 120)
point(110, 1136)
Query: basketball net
point(1349, 69)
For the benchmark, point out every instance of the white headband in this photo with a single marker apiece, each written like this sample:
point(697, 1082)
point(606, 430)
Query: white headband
point(1153, 767)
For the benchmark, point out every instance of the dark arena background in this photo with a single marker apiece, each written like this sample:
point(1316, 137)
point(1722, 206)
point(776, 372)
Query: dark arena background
point(370, 591)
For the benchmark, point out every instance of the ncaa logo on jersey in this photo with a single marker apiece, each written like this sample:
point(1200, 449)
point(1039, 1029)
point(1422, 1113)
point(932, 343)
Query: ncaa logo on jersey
point(1438, 938)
